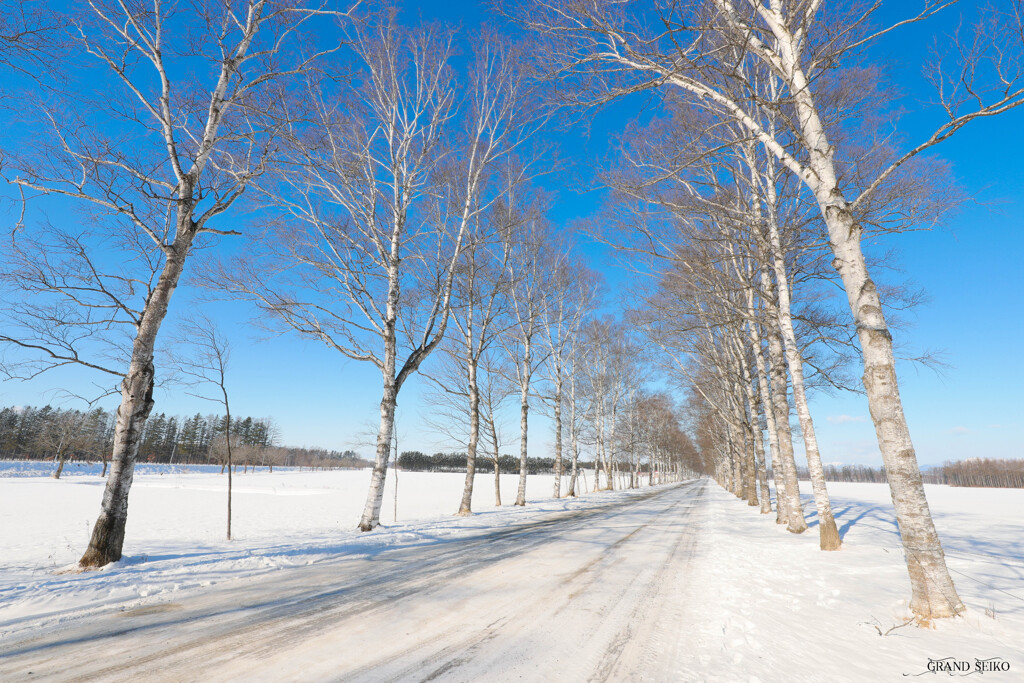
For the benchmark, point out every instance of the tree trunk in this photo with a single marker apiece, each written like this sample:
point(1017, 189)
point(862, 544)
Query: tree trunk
point(753, 429)
point(736, 457)
point(789, 486)
point(828, 534)
point(933, 593)
point(62, 458)
point(107, 539)
point(762, 470)
point(573, 444)
point(524, 418)
point(227, 432)
point(375, 496)
point(766, 403)
point(497, 464)
point(466, 506)
point(610, 451)
point(750, 476)
point(558, 436)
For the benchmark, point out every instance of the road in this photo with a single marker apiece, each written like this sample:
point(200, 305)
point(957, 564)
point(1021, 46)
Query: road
point(592, 594)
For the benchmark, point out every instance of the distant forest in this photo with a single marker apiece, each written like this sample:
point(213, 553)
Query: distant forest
point(47, 433)
point(987, 472)
point(57, 434)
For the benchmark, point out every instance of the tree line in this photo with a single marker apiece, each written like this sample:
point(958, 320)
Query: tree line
point(62, 434)
point(979, 472)
point(417, 461)
point(994, 472)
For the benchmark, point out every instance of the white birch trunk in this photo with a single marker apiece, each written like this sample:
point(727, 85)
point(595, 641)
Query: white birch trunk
point(524, 418)
point(757, 443)
point(558, 435)
point(573, 436)
point(375, 496)
point(600, 459)
point(762, 469)
point(466, 505)
point(789, 485)
point(389, 399)
point(493, 428)
point(610, 451)
point(827, 531)
point(767, 405)
point(107, 540)
point(933, 592)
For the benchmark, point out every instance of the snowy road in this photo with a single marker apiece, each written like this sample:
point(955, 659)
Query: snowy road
point(591, 594)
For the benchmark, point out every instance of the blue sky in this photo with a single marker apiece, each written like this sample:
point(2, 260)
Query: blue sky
point(970, 267)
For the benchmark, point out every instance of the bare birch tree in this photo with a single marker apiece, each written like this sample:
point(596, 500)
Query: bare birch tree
point(155, 153)
point(62, 436)
point(531, 266)
point(577, 399)
point(478, 312)
point(206, 363)
point(574, 293)
point(495, 390)
point(481, 312)
point(379, 197)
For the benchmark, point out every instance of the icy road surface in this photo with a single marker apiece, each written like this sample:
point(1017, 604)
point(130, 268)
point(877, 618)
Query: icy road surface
point(591, 594)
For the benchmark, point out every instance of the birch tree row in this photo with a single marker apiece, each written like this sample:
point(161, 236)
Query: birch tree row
point(525, 338)
point(780, 78)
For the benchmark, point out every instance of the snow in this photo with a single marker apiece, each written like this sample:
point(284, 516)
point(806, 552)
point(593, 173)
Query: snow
point(175, 537)
point(771, 605)
point(737, 599)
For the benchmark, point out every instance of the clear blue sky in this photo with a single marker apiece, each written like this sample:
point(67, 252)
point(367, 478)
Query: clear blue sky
point(970, 268)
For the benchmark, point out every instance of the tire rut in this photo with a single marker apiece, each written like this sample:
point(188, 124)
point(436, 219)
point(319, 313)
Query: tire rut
point(450, 658)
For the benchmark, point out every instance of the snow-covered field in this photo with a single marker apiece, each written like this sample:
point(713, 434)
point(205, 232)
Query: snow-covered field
point(175, 538)
point(752, 602)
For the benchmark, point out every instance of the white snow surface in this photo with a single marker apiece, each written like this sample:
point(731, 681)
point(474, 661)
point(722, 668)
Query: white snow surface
point(175, 536)
point(742, 600)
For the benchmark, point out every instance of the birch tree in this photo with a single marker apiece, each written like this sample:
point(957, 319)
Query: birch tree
point(573, 295)
point(495, 390)
point(463, 384)
point(154, 151)
point(530, 267)
point(476, 322)
point(63, 435)
point(595, 363)
point(381, 192)
point(578, 401)
point(202, 358)
point(481, 307)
